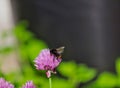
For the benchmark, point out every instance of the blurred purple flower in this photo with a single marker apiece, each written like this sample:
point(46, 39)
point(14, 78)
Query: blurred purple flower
point(47, 61)
point(29, 84)
point(5, 84)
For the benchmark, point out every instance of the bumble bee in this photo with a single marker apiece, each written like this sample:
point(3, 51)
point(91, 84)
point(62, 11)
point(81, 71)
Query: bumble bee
point(57, 51)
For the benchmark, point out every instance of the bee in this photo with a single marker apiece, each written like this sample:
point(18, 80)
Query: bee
point(57, 51)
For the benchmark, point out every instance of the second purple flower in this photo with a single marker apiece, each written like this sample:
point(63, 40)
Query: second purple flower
point(29, 84)
point(5, 84)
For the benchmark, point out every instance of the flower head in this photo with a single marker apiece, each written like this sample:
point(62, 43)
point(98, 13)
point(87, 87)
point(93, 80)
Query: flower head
point(29, 84)
point(47, 61)
point(5, 84)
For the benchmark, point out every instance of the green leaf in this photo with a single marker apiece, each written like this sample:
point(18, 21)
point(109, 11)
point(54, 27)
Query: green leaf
point(34, 47)
point(84, 73)
point(107, 79)
point(68, 69)
point(118, 66)
point(21, 32)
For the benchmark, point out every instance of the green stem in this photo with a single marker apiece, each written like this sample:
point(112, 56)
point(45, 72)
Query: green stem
point(50, 83)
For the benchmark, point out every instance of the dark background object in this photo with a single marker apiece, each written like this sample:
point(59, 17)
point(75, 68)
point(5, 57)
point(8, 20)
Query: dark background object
point(89, 29)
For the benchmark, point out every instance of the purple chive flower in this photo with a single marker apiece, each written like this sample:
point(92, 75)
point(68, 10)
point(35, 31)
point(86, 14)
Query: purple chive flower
point(5, 84)
point(47, 61)
point(29, 84)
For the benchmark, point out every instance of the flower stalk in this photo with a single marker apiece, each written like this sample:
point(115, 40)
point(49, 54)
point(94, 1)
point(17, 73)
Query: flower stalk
point(50, 82)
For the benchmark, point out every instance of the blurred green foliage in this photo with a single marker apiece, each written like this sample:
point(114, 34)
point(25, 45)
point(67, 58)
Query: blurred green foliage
point(107, 79)
point(70, 74)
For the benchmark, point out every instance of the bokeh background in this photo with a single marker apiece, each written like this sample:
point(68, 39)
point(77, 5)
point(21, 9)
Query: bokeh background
point(89, 30)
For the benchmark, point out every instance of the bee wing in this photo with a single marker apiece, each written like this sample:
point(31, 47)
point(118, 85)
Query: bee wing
point(60, 49)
